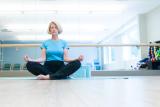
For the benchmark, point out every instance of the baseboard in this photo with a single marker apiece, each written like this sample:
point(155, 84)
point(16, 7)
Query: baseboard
point(127, 73)
point(23, 73)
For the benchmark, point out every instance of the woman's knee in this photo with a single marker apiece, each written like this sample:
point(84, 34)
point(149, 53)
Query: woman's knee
point(30, 65)
point(77, 64)
point(34, 68)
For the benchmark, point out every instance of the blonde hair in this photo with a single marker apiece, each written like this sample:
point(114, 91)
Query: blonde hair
point(58, 26)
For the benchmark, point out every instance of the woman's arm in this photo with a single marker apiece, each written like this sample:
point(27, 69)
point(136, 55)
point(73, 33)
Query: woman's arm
point(41, 59)
point(67, 59)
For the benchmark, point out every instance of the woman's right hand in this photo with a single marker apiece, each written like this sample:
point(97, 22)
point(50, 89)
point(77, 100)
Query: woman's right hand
point(26, 58)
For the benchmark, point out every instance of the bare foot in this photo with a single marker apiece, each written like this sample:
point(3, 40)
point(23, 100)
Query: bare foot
point(43, 77)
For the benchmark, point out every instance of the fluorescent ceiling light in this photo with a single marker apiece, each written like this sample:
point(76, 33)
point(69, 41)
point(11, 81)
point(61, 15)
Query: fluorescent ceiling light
point(45, 37)
point(67, 7)
point(79, 38)
point(84, 27)
point(66, 27)
point(9, 12)
point(14, 12)
point(32, 37)
point(25, 27)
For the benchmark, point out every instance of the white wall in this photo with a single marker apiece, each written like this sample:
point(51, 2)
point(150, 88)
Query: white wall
point(149, 28)
point(143, 34)
point(153, 24)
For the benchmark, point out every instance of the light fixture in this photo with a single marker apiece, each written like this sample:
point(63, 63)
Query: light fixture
point(67, 27)
point(63, 7)
point(26, 27)
point(32, 37)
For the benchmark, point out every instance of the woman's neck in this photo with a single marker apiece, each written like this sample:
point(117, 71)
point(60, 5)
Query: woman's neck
point(55, 37)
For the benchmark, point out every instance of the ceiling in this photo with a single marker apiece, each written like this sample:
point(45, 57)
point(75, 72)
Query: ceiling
point(82, 20)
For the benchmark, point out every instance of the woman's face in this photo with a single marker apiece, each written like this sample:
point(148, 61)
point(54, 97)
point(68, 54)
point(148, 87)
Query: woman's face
point(53, 29)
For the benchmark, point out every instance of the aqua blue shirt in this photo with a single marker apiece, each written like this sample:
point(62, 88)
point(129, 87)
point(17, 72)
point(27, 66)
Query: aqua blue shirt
point(54, 49)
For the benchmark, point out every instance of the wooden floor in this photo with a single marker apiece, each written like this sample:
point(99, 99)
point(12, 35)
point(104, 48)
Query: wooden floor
point(94, 92)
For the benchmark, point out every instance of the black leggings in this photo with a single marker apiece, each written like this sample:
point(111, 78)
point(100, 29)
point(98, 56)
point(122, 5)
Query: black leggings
point(55, 69)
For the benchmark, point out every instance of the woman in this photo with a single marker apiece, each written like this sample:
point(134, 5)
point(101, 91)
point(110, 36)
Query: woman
point(54, 54)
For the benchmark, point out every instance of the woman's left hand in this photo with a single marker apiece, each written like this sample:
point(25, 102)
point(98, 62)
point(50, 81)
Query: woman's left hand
point(80, 58)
